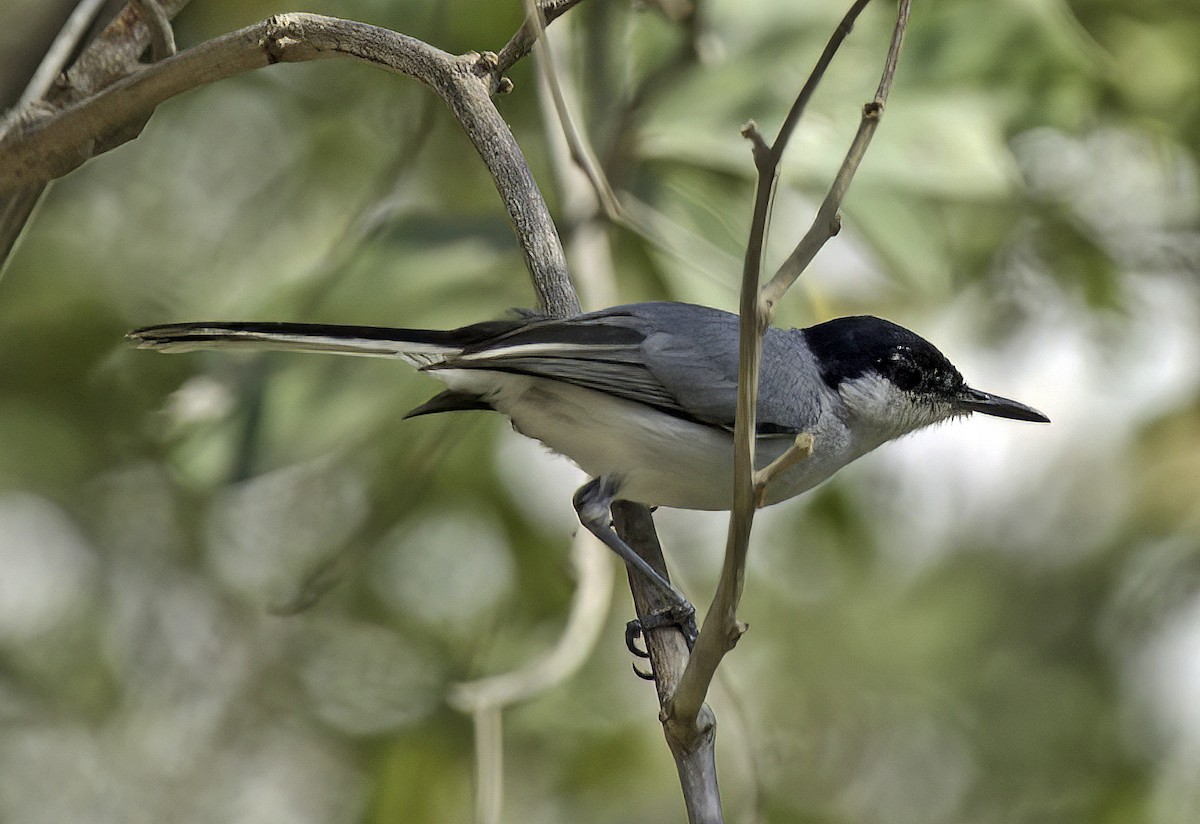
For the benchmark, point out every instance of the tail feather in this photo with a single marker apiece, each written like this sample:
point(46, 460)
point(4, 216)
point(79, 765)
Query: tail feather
point(420, 347)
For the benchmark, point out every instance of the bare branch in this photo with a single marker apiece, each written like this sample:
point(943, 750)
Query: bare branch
point(828, 220)
point(692, 740)
point(162, 37)
point(60, 51)
point(721, 629)
point(814, 79)
point(521, 43)
point(581, 152)
point(489, 765)
point(627, 211)
point(111, 55)
point(589, 605)
point(51, 147)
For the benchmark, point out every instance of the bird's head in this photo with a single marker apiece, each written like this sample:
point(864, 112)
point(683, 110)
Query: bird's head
point(893, 381)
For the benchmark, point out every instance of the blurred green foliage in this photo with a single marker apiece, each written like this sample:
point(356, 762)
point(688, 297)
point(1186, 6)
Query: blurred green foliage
point(239, 588)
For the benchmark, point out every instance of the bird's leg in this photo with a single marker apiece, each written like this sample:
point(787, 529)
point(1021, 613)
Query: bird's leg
point(592, 503)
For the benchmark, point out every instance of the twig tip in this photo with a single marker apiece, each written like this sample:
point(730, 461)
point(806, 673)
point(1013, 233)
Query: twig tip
point(736, 632)
point(760, 149)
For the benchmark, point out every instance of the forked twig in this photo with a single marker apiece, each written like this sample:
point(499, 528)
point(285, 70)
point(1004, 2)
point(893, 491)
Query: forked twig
point(827, 223)
point(800, 450)
point(721, 628)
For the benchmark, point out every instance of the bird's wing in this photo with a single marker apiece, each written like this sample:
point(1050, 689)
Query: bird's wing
point(694, 354)
point(601, 354)
point(676, 358)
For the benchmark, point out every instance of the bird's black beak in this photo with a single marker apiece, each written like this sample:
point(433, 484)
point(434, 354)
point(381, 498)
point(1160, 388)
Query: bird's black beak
point(972, 400)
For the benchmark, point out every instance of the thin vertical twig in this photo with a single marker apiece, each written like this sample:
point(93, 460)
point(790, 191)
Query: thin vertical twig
point(489, 765)
point(693, 749)
point(65, 44)
point(721, 629)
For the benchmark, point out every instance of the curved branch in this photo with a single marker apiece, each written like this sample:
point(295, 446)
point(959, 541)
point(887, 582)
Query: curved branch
point(37, 152)
point(162, 36)
point(589, 605)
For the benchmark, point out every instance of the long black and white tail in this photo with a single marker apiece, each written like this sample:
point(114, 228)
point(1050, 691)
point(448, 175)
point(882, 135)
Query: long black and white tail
point(419, 347)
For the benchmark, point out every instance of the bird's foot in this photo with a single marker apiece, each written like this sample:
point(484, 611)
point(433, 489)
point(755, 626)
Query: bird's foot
point(682, 615)
point(633, 633)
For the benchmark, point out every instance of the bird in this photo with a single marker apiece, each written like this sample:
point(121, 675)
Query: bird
point(642, 396)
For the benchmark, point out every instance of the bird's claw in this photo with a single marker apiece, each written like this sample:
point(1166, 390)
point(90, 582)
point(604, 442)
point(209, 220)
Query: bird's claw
point(680, 615)
point(633, 632)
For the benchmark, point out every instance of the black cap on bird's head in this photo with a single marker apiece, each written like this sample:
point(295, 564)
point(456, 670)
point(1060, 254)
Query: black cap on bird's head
point(855, 353)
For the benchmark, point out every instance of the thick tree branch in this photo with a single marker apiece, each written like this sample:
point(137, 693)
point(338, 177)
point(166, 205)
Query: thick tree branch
point(694, 747)
point(111, 54)
point(60, 51)
point(39, 151)
point(692, 741)
point(721, 629)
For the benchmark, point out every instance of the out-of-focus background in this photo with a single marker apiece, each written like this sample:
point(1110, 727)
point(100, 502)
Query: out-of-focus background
point(239, 588)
